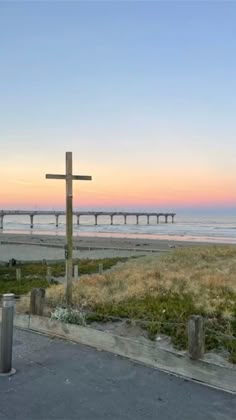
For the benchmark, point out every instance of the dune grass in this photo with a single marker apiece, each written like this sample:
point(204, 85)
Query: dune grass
point(21, 287)
point(33, 274)
point(162, 292)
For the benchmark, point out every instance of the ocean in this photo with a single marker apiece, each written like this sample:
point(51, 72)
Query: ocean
point(214, 229)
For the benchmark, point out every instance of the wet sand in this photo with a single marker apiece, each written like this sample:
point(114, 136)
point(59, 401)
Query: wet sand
point(33, 247)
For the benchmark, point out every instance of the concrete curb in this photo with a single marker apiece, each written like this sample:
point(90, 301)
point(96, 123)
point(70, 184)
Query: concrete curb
point(210, 374)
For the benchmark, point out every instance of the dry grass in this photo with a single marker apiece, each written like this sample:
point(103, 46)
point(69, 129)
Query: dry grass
point(164, 291)
point(23, 304)
point(207, 274)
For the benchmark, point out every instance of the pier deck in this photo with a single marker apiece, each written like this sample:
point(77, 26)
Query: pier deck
point(78, 214)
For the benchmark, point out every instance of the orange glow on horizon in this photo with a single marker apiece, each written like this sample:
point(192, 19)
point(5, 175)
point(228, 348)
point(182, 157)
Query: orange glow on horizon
point(111, 187)
point(123, 197)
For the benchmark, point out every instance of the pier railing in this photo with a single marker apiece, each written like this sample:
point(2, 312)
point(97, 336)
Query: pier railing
point(95, 214)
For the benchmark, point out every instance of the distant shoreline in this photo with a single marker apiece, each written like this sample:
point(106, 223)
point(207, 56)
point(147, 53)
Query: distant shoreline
point(50, 247)
point(96, 240)
point(122, 236)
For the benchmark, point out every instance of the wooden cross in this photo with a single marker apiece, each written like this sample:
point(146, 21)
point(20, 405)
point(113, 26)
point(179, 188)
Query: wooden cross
point(69, 177)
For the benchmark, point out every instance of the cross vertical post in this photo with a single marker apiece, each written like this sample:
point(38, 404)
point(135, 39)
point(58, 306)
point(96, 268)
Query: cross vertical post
point(69, 228)
point(69, 177)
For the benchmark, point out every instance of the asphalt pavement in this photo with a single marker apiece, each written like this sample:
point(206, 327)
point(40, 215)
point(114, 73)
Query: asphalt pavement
point(57, 379)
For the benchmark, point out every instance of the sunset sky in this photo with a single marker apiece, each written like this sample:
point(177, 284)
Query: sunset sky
point(142, 93)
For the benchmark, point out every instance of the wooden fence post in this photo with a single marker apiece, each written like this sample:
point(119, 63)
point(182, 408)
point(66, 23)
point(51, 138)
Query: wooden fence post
point(100, 268)
point(76, 271)
point(196, 337)
point(49, 274)
point(18, 274)
point(37, 301)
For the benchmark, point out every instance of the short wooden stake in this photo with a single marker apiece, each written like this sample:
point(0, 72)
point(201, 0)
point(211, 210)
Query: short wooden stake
point(196, 337)
point(18, 274)
point(49, 274)
point(37, 301)
point(76, 271)
point(100, 268)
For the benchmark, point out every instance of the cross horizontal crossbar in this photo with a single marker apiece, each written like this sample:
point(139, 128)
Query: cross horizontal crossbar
point(54, 176)
point(82, 177)
point(76, 177)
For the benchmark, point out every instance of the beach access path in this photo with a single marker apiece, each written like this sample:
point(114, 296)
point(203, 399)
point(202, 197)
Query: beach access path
point(58, 379)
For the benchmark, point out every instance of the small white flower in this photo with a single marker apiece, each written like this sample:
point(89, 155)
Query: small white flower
point(69, 315)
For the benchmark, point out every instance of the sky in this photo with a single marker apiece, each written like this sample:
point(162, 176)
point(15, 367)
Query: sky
point(143, 93)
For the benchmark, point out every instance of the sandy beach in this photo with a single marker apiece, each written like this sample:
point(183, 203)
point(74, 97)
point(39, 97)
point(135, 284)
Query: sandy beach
point(25, 247)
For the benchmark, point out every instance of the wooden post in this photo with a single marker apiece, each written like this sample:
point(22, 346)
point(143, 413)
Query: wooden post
point(49, 274)
point(37, 301)
point(196, 337)
point(69, 228)
point(76, 271)
point(18, 274)
point(100, 268)
point(1, 221)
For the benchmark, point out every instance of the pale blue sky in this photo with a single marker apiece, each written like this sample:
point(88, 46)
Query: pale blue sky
point(131, 85)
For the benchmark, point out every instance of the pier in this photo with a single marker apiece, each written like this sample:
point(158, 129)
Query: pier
point(96, 214)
